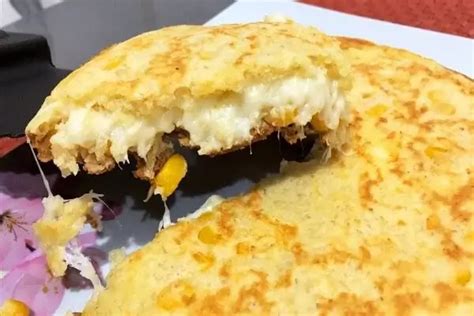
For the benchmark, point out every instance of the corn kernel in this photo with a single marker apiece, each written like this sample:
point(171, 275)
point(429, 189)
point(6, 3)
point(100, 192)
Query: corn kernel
point(173, 171)
point(433, 151)
point(469, 237)
point(167, 302)
point(176, 295)
point(206, 55)
point(463, 277)
point(206, 260)
point(242, 248)
point(377, 110)
point(433, 222)
point(434, 95)
point(114, 63)
point(444, 108)
point(438, 102)
point(208, 236)
point(14, 308)
point(206, 216)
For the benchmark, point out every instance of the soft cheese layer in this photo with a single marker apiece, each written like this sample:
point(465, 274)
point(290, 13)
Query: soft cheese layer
point(214, 123)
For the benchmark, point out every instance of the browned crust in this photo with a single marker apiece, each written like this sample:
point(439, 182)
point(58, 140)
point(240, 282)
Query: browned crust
point(42, 145)
point(89, 161)
point(349, 42)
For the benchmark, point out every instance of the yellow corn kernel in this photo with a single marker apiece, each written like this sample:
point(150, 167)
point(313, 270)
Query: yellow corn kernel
point(439, 104)
point(318, 124)
point(173, 171)
point(14, 308)
point(114, 63)
point(206, 55)
point(208, 236)
point(242, 248)
point(433, 222)
point(435, 95)
point(469, 237)
point(377, 110)
point(433, 151)
point(444, 108)
point(176, 295)
point(206, 216)
point(463, 277)
point(206, 260)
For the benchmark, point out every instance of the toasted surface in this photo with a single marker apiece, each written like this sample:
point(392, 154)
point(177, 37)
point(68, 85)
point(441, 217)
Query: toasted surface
point(147, 71)
point(388, 230)
point(128, 96)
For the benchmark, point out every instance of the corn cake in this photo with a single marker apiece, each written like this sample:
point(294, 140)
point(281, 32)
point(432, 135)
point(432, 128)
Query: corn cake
point(385, 230)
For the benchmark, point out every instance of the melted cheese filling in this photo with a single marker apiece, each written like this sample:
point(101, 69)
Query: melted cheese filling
point(214, 123)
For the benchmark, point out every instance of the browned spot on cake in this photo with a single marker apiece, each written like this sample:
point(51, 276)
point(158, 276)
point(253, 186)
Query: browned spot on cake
point(449, 296)
point(433, 222)
point(391, 135)
point(464, 194)
point(175, 62)
point(381, 284)
point(225, 223)
point(348, 42)
point(333, 256)
point(405, 302)
point(284, 232)
point(365, 187)
point(176, 295)
point(224, 271)
point(241, 58)
point(347, 304)
point(213, 304)
point(252, 299)
point(398, 169)
point(382, 120)
point(365, 254)
point(450, 248)
point(136, 256)
point(301, 256)
point(285, 280)
point(185, 230)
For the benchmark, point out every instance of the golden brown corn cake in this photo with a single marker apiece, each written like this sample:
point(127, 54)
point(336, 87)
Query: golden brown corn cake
point(385, 230)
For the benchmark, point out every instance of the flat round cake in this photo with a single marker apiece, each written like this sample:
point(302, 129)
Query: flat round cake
point(385, 229)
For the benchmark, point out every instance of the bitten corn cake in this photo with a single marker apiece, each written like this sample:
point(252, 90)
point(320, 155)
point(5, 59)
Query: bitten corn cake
point(387, 230)
point(217, 87)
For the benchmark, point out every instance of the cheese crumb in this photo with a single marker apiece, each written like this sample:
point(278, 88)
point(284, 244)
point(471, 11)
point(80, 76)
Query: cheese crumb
point(61, 222)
